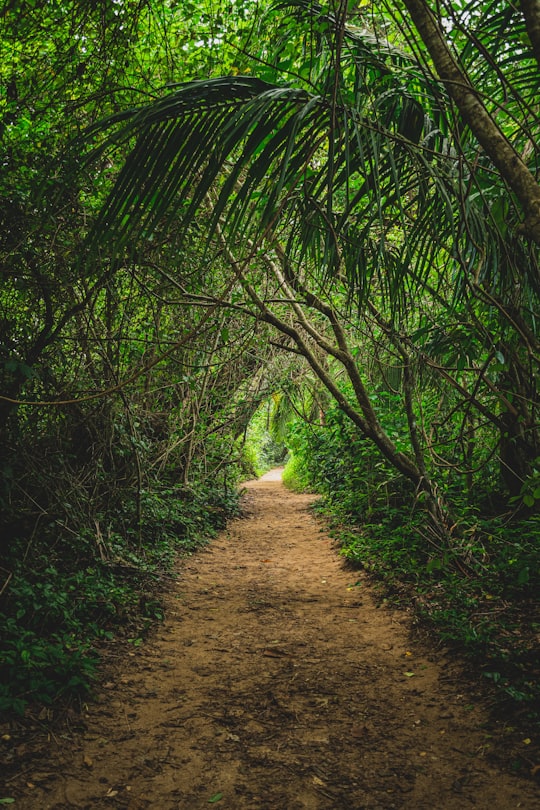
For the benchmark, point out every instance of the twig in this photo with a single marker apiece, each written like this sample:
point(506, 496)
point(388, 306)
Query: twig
point(6, 583)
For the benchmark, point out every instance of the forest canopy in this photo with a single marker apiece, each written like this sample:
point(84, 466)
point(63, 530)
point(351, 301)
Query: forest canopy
point(236, 230)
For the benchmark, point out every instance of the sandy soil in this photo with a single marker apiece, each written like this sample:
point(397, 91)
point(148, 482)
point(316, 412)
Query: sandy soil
point(275, 683)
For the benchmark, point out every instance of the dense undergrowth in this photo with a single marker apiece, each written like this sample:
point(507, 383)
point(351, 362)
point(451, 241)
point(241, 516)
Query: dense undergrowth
point(479, 593)
point(88, 545)
point(90, 541)
point(56, 610)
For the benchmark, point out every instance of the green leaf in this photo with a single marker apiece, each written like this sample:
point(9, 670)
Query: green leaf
point(215, 798)
point(523, 576)
point(7, 801)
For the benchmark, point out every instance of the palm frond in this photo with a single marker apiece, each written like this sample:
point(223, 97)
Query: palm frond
point(370, 191)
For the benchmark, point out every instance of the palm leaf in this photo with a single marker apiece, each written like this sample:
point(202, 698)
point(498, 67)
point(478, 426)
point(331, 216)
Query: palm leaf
point(338, 180)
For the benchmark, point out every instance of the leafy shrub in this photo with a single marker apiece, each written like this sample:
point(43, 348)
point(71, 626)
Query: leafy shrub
point(42, 669)
point(261, 450)
point(53, 614)
point(478, 592)
point(294, 476)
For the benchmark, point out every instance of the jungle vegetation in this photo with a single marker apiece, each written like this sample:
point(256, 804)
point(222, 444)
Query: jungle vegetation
point(236, 229)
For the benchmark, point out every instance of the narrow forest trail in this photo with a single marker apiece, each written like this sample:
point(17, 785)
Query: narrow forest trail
point(275, 684)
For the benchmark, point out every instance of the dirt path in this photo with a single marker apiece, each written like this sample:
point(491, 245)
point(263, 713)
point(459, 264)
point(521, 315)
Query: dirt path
point(275, 684)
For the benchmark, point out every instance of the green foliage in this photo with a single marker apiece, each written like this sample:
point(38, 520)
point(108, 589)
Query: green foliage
point(53, 616)
point(347, 171)
point(135, 347)
point(261, 450)
point(477, 593)
point(100, 493)
point(529, 494)
point(339, 462)
point(41, 670)
point(294, 476)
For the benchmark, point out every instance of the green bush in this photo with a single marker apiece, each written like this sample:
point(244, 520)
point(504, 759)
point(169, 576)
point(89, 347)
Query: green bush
point(295, 476)
point(261, 449)
point(41, 669)
point(54, 613)
point(477, 591)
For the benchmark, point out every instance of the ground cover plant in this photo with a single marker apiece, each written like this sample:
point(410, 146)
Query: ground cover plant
point(479, 596)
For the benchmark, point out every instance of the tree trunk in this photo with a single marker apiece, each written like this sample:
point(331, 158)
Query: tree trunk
point(475, 115)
